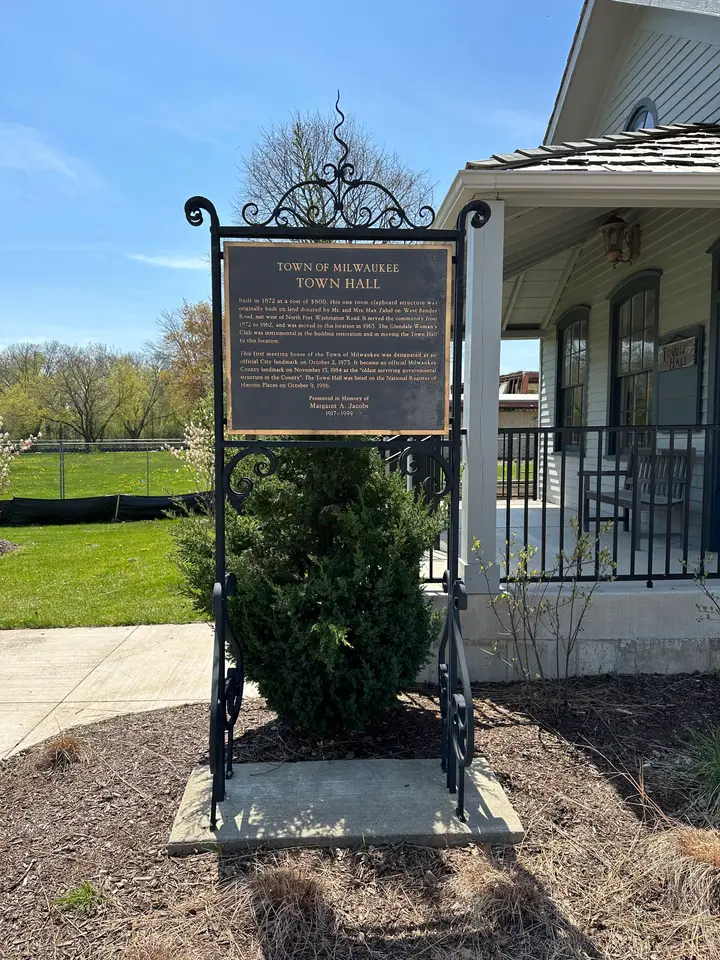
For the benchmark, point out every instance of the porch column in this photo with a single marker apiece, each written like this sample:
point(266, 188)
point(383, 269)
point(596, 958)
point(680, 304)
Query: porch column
point(483, 326)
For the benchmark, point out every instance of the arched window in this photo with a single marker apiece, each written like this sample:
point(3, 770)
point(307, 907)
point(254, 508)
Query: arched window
point(634, 332)
point(644, 115)
point(572, 338)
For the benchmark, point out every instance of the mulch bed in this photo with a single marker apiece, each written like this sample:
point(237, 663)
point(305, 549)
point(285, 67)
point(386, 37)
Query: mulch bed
point(411, 729)
point(575, 785)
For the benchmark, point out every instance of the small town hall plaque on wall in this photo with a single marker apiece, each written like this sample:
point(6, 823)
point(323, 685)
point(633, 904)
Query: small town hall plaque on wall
point(331, 338)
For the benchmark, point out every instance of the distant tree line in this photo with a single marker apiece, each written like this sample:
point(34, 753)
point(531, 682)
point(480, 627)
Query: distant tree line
point(94, 392)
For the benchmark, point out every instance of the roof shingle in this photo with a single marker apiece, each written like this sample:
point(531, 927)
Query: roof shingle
point(666, 148)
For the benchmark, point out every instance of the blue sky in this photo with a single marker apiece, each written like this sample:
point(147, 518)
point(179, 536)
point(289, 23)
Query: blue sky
point(112, 114)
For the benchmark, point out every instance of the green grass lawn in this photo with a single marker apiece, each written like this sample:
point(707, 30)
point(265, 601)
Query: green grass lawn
point(519, 470)
point(91, 575)
point(96, 474)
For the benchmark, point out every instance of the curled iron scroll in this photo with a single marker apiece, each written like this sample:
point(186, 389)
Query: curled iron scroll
point(264, 467)
point(481, 213)
point(409, 466)
point(461, 707)
point(194, 212)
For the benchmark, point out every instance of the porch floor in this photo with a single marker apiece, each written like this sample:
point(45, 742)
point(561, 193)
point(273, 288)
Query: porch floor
point(664, 562)
point(668, 556)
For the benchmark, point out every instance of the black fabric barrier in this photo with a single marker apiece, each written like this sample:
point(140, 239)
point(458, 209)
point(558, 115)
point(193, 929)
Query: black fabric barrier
point(24, 511)
point(155, 508)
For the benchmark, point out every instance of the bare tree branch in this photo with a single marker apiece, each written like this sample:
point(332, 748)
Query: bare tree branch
point(293, 152)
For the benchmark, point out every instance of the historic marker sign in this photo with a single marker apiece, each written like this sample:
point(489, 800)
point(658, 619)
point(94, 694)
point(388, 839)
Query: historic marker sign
point(336, 338)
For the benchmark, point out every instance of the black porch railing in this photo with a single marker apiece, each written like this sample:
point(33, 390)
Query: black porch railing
point(426, 479)
point(517, 459)
point(647, 497)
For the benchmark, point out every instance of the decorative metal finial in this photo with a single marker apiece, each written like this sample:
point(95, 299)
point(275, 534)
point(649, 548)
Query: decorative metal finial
point(339, 139)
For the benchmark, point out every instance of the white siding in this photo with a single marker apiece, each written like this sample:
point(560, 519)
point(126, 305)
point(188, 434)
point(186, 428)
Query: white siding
point(672, 58)
point(674, 241)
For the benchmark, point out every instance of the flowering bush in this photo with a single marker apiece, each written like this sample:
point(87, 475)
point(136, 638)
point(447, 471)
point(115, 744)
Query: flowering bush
point(9, 450)
point(198, 454)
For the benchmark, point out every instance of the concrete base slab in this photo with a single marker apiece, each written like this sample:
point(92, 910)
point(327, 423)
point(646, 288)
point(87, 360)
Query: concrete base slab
point(342, 803)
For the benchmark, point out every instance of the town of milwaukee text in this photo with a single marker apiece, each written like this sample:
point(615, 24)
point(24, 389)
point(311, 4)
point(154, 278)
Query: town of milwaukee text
point(322, 281)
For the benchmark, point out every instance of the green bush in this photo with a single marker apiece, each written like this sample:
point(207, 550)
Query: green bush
point(329, 609)
point(704, 756)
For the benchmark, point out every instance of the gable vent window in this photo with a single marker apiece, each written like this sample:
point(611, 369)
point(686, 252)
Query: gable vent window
point(644, 115)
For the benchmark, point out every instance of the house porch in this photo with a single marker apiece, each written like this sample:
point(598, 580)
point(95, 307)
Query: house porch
point(539, 270)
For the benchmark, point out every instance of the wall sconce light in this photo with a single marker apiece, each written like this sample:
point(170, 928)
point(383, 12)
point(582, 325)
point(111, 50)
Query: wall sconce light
point(616, 236)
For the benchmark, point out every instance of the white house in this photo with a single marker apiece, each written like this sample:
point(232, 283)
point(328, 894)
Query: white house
point(629, 417)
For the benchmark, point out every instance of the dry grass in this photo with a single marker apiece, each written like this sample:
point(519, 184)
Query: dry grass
point(681, 867)
point(502, 900)
point(289, 912)
point(702, 846)
point(61, 752)
point(455, 904)
point(276, 910)
point(154, 948)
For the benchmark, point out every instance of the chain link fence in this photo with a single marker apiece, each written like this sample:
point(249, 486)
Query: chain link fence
point(60, 469)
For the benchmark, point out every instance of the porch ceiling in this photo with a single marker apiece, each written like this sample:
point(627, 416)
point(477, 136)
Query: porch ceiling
point(530, 298)
point(533, 234)
point(541, 247)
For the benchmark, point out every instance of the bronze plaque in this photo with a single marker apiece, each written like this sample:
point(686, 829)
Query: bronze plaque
point(336, 338)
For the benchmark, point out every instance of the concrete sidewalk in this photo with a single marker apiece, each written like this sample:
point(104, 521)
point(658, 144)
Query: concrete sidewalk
point(54, 679)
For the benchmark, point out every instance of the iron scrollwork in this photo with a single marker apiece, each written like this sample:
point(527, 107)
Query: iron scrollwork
point(217, 706)
point(194, 212)
point(264, 467)
point(338, 199)
point(481, 215)
point(226, 695)
point(234, 685)
point(456, 708)
point(433, 490)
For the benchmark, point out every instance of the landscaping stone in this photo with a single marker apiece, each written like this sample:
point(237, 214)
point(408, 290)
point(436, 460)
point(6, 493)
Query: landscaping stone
point(342, 803)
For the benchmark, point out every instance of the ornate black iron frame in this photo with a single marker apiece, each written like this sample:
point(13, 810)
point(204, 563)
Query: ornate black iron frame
point(288, 221)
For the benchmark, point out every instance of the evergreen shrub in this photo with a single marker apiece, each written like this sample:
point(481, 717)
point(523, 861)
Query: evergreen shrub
point(329, 608)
